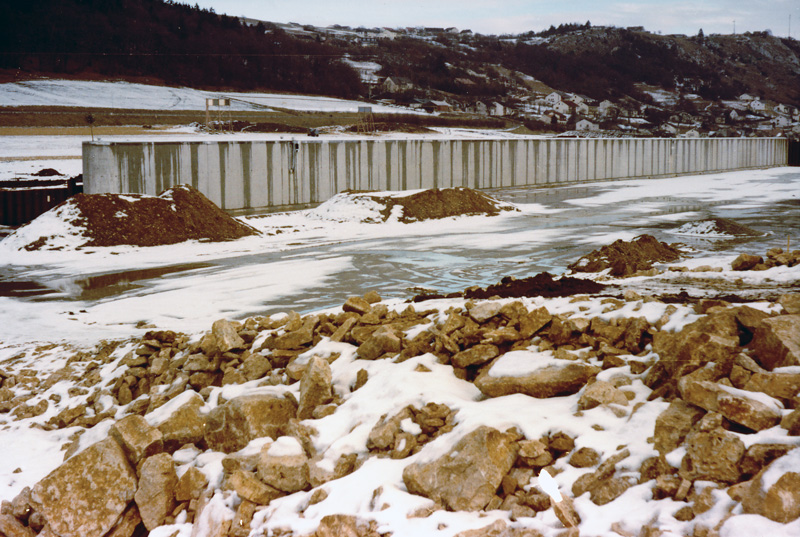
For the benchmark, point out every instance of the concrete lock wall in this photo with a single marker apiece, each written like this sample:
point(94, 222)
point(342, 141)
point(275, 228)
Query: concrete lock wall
point(252, 175)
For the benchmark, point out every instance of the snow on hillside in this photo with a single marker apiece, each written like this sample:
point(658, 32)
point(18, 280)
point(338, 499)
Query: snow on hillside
point(126, 95)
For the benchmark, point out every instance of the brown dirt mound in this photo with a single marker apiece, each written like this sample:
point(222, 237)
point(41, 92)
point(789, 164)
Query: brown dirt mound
point(444, 203)
point(179, 214)
point(391, 127)
point(626, 258)
point(46, 172)
point(540, 285)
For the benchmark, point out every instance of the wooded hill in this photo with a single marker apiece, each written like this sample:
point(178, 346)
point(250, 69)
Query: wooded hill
point(183, 45)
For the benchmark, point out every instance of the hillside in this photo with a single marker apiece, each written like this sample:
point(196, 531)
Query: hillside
point(665, 85)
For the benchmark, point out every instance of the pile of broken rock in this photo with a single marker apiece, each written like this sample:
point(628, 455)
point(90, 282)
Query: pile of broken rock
point(729, 374)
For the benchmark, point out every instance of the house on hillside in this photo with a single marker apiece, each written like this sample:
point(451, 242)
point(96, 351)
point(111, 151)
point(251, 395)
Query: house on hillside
point(781, 109)
point(586, 125)
point(396, 84)
point(554, 118)
point(746, 97)
point(478, 108)
point(556, 97)
point(497, 109)
point(564, 107)
point(780, 122)
point(607, 108)
point(437, 106)
point(756, 105)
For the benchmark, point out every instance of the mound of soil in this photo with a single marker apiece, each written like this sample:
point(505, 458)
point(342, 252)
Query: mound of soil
point(540, 285)
point(392, 127)
point(435, 203)
point(626, 258)
point(720, 227)
point(373, 208)
point(46, 172)
point(179, 214)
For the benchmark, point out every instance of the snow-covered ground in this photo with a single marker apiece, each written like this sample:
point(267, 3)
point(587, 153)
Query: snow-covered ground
point(127, 95)
point(310, 261)
point(316, 258)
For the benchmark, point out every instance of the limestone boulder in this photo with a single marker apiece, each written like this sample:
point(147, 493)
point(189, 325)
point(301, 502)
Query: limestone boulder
point(85, 496)
point(341, 526)
point(232, 426)
point(518, 372)
point(467, 477)
point(186, 425)
point(190, 485)
point(315, 387)
point(758, 456)
point(775, 491)
point(227, 338)
point(384, 339)
point(601, 393)
point(697, 345)
point(784, 385)
point(10, 526)
point(534, 453)
point(482, 312)
point(712, 455)
point(255, 366)
point(250, 488)
point(356, 304)
point(155, 496)
point(138, 438)
point(674, 424)
point(533, 321)
point(790, 303)
point(776, 342)
point(294, 339)
point(283, 464)
point(746, 262)
point(476, 355)
point(754, 411)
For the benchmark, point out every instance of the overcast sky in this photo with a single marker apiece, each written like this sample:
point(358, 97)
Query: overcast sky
point(516, 16)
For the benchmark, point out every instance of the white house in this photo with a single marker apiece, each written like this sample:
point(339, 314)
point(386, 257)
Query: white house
point(554, 118)
point(782, 109)
point(734, 115)
point(691, 133)
point(478, 108)
point(564, 107)
point(586, 125)
point(497, 109)
point(606, 107)
point(780, 122)
point(394, 84)
point(746, 97)
point(757, 105)
point(556, 97)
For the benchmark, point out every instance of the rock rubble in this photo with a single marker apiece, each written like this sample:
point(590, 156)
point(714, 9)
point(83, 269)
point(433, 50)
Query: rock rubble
point(727, 375)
